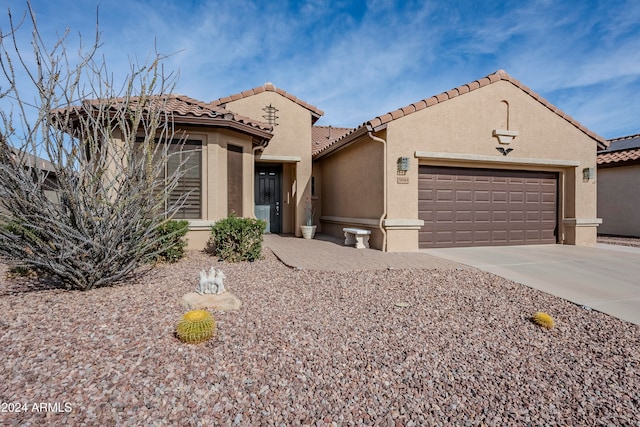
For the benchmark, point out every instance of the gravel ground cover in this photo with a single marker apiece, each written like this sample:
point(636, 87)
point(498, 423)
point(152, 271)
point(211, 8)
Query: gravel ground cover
point(619, 240)
point(388, 347)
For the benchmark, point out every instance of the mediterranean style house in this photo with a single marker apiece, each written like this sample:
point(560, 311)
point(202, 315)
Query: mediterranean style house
point(618, 190)
point(487, 163)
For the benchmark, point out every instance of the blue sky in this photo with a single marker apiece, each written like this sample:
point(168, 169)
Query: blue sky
point(359, 59)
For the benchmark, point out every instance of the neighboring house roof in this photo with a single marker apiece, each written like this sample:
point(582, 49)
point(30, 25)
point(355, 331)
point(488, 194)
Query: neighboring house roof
point(186, 110)
point(380, 122)
point(324, 136)
point(619, 150)
point(316, 113)
point(31, 161)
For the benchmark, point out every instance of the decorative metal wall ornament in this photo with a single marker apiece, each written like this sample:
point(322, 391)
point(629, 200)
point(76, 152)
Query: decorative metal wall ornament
point(504, 151)
point(270, 115)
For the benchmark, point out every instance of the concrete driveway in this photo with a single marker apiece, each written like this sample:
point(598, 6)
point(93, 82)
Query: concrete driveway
point(605, 277)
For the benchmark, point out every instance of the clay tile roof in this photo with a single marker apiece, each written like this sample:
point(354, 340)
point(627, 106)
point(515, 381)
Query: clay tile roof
point(188, 110)
point(619, 150)
point(499, 75)
point(181, 105)
point(324, 136)
point(269, 87)
point(618, 156)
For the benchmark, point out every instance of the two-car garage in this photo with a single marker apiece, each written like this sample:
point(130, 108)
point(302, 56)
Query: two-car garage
point(486, 207)
point(489, 163)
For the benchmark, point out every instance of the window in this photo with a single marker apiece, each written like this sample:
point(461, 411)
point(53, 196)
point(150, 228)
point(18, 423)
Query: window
point(189, 152)
point(191, 181)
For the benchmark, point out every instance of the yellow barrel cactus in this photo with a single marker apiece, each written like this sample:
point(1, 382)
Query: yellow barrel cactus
point(543, 319)
point(196, 326)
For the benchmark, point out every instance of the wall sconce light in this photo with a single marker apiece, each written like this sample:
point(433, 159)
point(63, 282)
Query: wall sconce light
point(403, 164)
point(588, 173)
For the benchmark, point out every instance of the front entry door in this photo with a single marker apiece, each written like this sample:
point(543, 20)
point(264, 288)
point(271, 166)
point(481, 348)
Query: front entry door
point(268, 185)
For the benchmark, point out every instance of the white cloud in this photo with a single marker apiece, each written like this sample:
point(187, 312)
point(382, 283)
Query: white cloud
point(359, 59)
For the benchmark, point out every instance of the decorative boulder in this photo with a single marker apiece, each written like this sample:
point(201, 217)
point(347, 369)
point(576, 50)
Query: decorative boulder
point(211, 293)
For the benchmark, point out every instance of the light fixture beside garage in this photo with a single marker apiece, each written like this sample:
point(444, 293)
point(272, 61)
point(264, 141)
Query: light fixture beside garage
point(403, 165)
point(588, 173)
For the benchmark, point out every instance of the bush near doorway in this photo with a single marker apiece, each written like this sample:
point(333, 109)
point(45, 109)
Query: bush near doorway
point(237, 239)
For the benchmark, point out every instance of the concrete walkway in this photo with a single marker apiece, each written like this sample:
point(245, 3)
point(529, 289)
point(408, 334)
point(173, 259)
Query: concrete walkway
point(604, 277)
point(328, 253)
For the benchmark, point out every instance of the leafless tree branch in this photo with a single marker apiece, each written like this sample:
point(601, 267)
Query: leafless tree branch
point(89, 214)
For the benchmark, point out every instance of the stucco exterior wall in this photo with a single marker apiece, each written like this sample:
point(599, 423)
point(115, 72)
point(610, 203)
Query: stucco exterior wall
point(214, 179)
point(351, 185)
point(619, 200)
point(459, 132)
point(290, 146)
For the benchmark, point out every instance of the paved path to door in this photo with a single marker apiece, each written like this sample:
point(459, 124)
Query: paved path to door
point(328, 253)
point(604, 277)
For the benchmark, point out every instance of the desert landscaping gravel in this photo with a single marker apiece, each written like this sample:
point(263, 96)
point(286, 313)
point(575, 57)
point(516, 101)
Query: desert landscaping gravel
point(388, 347)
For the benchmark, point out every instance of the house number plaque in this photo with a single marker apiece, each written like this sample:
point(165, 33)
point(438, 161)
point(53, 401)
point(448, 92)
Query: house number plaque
point(403, 180)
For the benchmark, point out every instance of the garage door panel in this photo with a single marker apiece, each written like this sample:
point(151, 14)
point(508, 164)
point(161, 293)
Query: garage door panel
point(464, 216)
point(516, 216)
point(516, 236)
point(482, 237)
point(483, 216)
point(499, 236)
point(532, 197)
point(476, 207)
point(500, 216)
point(464, 237)
point(464, 196)
point(444, 195)
point(499, 196)
point(482, 196)
point(516, 197)
point(444, 216)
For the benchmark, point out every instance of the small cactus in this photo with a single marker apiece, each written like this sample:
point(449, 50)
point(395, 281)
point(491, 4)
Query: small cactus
point(196, 326)
point(543, 319)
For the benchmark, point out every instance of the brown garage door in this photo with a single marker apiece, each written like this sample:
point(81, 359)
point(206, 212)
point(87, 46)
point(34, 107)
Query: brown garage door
point(486, 207)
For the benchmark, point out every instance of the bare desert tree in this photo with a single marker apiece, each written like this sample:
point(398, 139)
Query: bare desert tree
point(84, 186)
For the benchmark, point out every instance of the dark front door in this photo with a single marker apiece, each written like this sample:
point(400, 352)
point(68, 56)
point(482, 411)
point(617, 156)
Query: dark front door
point(268, 185)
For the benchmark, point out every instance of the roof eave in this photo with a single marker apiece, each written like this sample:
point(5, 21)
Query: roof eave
point(224, 123)
point(344, 142)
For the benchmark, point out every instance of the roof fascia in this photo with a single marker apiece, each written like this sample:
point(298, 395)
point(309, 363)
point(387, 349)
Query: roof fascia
point(346, 141)
point(224, 123)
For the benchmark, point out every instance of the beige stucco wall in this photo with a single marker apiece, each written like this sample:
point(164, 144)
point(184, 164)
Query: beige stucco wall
point(351, 189)
point(459, 132)
point(214, 177)
point(290, 146)
point(619, 200)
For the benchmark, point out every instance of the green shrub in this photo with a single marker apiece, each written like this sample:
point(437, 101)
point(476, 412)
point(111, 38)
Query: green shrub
point(237, 239)
point(171, 243)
